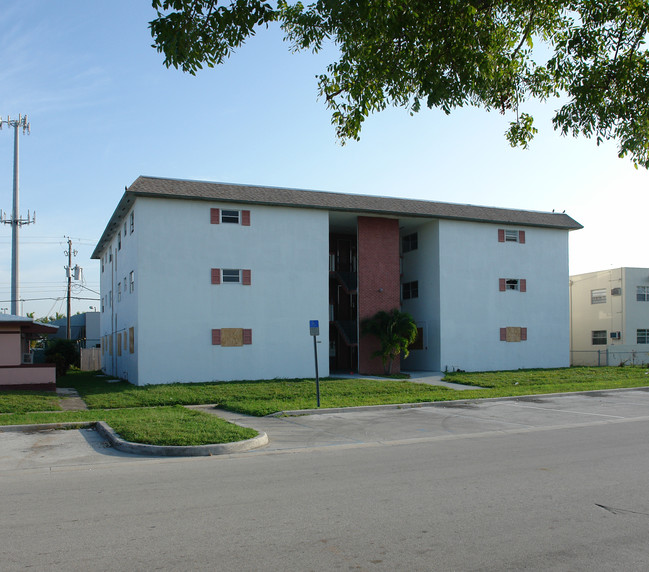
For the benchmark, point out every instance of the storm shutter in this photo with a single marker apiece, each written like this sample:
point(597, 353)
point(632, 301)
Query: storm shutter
point(215, 216)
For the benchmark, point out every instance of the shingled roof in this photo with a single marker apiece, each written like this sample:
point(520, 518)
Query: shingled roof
point(362, 204)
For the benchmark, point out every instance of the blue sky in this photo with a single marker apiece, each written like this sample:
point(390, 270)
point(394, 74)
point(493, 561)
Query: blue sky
point(103, 110)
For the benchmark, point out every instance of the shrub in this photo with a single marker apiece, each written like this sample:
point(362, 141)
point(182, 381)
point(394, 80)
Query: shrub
point(63, 354)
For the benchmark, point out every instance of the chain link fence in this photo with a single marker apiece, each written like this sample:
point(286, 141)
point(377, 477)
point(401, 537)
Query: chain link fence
point(609, 356)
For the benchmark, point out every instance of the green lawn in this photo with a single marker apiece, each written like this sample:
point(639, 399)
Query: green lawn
point(153, 413)
point(269, 396)
point(153, 425)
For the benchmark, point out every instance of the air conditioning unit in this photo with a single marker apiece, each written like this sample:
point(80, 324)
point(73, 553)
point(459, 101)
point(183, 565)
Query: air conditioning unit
point(28, 358)
point(616, 291)
point(615, 335)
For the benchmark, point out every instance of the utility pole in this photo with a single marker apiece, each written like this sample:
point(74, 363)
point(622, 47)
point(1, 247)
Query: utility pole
point(69, 253)
point(15, 221)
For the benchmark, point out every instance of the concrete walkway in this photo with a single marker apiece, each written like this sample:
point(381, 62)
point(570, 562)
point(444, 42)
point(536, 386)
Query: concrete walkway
point(427, 377)
point(70, 399)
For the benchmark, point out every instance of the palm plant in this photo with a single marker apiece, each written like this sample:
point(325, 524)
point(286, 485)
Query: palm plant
point(395, 330)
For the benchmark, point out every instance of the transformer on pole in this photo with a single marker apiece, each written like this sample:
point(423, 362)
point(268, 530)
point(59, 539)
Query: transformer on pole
point(15, 221)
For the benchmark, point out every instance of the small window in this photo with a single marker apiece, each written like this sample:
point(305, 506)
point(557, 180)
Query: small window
point(131, 286)
point(231, 275)
point(119, 291)
point(511, 236)
point(102, 263)
point(409, 242)
point(230, 216)
point(411, 290)
point(599, 337)
point(642, 336)
point(124, 228)
point(642, 294)
point(512, 284)
point(598, 296)
point(119, 241)
point(102, 303)
point(132, 218)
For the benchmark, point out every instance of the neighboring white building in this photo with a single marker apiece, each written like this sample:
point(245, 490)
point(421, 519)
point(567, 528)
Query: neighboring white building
point(209, 281)
point(609, 318)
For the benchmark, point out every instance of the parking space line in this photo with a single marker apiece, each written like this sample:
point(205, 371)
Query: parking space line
point(565, 411)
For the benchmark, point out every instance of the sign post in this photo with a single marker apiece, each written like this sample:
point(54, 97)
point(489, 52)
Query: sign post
point(314, 329)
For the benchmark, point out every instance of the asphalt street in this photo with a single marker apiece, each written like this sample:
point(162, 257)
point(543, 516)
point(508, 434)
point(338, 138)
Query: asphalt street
point(540, 483)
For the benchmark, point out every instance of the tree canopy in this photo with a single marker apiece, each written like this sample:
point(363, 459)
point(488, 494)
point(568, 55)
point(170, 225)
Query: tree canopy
point(446, 54)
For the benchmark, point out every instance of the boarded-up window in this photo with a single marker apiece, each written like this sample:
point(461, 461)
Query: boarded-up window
point(231, 337)
point(513, 334)
point(131, 340)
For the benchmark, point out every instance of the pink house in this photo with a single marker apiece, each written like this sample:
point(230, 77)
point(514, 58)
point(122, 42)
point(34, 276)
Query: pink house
point(16, 368)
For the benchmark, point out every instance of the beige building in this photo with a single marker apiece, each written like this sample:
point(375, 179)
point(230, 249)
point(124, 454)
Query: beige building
point(609, 317)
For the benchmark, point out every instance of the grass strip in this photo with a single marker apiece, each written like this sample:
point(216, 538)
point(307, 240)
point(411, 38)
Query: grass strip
point(24, 401)
point(264, 397)
point(154, 426)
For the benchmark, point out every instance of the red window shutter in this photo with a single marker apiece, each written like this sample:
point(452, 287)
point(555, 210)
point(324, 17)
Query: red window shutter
point(503, 334)
point(245, 277)
point(216, 275)
point(245, 218)
point(216, 337)
point(501, 284)
point(247, 337)
point(215, 216)
point(521, 236)
point(523, 284)
point(523, 334)
point(501, 235)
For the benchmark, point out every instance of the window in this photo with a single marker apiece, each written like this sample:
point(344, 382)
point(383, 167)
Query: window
point(231, 337)
point(102, 263)
point(110, 298)
point(119, 290)
point(642, 336)
point(119, 241)
point(599, 337)
point(513, 334)
point(598, 296)
point(505, 235)
point(230, 216)
point(409, 242)
point(642, 294)
point(231, 275)
point(418, 344)
point(124, 336)
point(119, 344)
point(102, 303)
point(519, 284)
point(131, 286)
point(132, 217)
point(410, 290)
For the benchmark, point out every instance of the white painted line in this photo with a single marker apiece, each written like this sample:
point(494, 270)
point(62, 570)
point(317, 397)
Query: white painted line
point(565, 411)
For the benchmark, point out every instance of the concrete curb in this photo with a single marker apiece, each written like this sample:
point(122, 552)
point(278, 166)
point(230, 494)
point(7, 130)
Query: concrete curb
point(448, 403)
point(143, 449)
